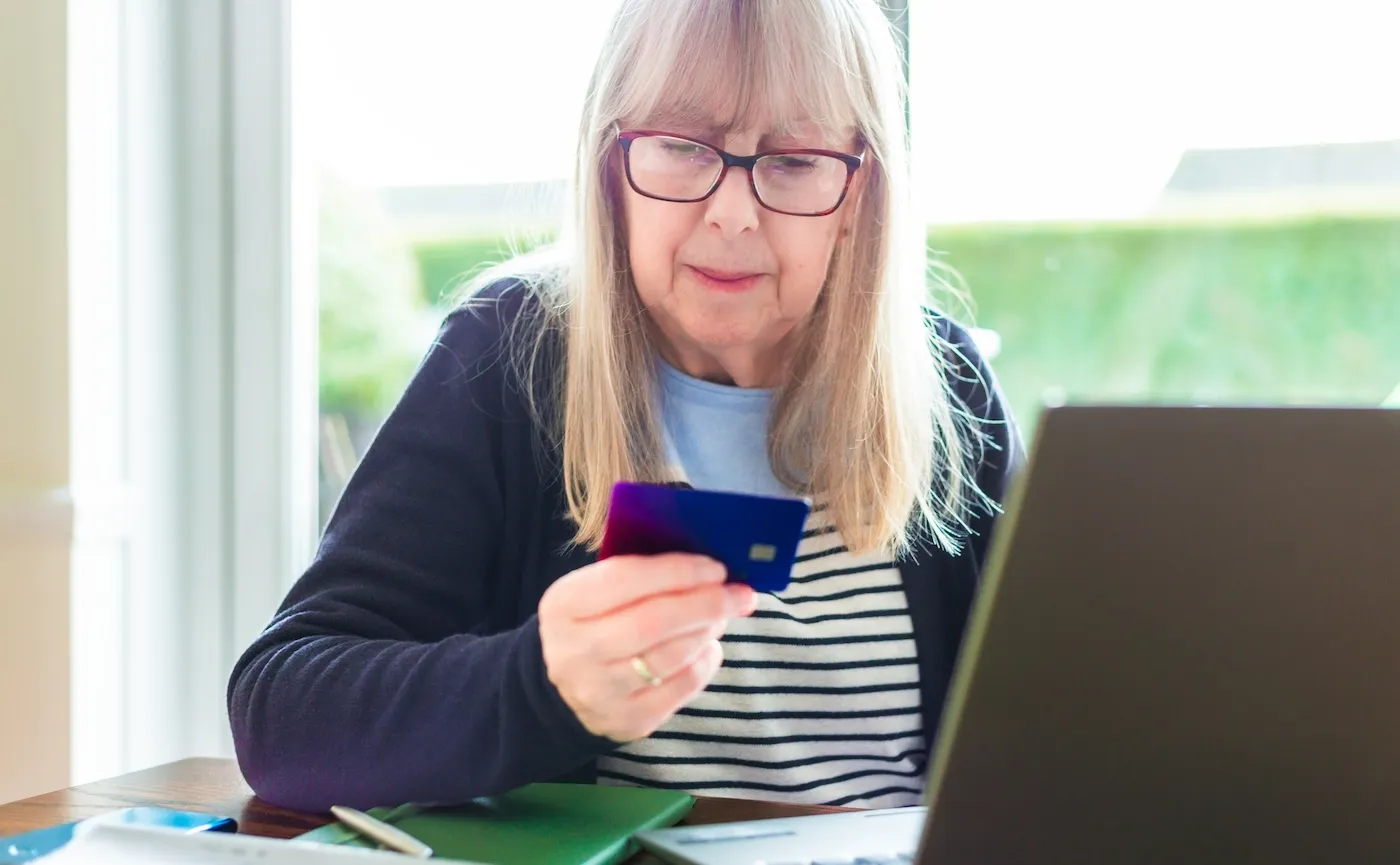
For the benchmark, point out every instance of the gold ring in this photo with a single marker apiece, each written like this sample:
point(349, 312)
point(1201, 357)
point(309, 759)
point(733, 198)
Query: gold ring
point(644, 671)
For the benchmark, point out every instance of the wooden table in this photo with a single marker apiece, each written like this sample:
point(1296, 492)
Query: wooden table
point(214, 786)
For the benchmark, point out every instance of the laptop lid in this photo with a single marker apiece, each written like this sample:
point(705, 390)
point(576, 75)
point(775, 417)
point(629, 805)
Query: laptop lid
point(1187, 648)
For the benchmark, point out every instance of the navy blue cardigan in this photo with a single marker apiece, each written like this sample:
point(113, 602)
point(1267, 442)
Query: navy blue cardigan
point(405, 663)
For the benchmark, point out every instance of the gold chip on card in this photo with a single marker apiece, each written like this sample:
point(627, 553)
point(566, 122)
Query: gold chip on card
point(762, 553)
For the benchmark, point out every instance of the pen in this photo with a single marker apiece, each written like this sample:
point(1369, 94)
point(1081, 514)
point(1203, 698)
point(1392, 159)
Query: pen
point(390, 836)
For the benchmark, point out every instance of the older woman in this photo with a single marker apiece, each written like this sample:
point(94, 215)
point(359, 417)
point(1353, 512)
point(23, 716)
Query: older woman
point(738, 303)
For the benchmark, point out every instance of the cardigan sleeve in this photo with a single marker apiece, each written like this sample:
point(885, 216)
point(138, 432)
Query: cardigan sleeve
point(376, 682)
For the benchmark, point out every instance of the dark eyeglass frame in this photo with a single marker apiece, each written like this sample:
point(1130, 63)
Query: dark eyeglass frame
point(729, 160)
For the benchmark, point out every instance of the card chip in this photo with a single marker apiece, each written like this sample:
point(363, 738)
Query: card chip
point(762, 553)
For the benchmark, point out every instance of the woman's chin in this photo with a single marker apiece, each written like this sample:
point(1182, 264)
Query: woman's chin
point(719, 333)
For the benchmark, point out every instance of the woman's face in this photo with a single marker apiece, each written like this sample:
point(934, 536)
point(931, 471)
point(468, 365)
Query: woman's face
point(726, 280)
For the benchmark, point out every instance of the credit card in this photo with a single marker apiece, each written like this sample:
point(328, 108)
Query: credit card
point(754, 537)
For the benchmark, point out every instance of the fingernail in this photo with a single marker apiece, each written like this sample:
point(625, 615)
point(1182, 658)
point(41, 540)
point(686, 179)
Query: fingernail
point(712, 571)
point(745, 597)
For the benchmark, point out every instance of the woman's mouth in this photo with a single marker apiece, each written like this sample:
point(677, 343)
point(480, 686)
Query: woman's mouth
point(724, 280)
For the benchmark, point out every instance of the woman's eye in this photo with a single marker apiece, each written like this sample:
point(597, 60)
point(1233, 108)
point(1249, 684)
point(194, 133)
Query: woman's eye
point(682, 148)
point(793, 164)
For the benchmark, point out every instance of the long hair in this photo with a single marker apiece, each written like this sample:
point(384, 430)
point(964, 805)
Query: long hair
point(866, 422)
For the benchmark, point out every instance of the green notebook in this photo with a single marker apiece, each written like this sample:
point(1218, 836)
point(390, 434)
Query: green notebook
point(538, 824)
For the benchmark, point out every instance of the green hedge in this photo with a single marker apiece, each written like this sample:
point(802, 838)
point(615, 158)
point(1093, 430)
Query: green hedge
point(1295, 310)
point(445, 264)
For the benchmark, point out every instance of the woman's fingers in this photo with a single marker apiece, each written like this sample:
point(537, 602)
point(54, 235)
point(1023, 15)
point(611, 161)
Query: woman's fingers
point(624, 580)
point(648, 624)
point(642, 713)
point(662, 614)
point(665, 660)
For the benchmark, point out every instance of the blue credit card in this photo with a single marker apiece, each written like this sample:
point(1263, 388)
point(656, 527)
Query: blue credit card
point(754, 537)
point(41, 842)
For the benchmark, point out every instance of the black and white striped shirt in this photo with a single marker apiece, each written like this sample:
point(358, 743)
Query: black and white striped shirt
point(817, 700)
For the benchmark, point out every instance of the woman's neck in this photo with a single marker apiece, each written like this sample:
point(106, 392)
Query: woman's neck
point(739, 366)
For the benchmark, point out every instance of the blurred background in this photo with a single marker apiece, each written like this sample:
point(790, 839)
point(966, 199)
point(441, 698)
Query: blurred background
point(1167, 201)
point(231, 228)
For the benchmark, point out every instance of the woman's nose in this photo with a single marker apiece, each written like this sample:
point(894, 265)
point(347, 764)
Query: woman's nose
point(732, 208)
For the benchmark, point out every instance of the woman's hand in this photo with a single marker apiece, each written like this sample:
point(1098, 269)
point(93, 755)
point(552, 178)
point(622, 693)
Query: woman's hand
point(607, 626)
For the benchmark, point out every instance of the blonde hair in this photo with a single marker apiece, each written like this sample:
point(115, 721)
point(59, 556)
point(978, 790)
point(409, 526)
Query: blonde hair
point(867, 422)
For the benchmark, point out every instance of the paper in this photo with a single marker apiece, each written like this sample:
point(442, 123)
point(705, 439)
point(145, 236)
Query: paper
point(144, 845)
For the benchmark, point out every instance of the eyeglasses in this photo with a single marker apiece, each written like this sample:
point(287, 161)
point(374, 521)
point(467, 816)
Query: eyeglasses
point(797, 182)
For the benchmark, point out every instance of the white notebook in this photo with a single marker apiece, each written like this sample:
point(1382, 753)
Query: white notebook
point(99, 844)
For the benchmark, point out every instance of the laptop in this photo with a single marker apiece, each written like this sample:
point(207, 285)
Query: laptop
point(1186, 650)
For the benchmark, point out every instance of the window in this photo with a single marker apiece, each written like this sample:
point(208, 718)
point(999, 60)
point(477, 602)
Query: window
point(1188, 201)
point(442, 133)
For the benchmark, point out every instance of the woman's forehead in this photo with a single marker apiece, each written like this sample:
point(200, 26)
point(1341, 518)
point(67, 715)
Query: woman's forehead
point(740, 92)
point(758, 118)
point(763, 69)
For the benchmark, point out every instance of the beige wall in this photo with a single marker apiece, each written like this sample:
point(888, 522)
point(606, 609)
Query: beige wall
point(35, 526)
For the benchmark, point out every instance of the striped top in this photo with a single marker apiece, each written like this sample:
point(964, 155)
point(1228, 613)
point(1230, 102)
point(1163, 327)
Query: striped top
point(817, 700)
